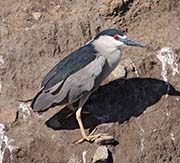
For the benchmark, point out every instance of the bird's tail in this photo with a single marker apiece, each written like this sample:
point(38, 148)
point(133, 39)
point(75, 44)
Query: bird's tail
point(33, 103)
point(46, 99)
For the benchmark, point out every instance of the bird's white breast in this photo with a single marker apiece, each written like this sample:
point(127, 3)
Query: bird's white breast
point(112, 61)
point(108, 47)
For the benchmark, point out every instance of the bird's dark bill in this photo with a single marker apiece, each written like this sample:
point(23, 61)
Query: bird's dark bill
point(130, 42)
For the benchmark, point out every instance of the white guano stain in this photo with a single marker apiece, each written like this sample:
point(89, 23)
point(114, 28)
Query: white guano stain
point(25, 109)
point(84, 156)
point(168, 113)
point(172, 137)
point(1, 61)
point(167, 57)
point(1, 66)
point(5, 144)
point(142, 138)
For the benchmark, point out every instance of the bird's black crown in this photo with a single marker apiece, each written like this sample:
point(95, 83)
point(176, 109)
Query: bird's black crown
point(110, 32)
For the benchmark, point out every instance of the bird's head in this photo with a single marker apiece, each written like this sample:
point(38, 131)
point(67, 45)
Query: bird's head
point(113, 38)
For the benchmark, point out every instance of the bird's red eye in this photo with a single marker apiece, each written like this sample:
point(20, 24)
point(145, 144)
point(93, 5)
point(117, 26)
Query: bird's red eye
point(116, 37)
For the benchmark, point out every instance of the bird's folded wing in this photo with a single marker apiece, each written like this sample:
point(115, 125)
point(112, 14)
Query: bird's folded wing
point(69, 65)
point(85, 79)
point(71, 88)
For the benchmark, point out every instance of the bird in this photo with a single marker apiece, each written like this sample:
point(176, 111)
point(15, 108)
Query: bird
point(77, 76)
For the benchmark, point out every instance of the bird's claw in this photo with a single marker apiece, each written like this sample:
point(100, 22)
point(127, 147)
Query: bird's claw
point(91, 138)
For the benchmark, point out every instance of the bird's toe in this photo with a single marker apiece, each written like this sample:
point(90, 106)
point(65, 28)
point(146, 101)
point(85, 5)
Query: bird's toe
point(91, 138)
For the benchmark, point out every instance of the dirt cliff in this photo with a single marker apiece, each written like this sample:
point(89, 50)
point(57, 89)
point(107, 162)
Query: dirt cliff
point(139, 104)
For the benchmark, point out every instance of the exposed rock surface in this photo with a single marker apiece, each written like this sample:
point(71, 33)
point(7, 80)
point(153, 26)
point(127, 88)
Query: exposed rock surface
point(101, 155)
point(8, 115)
point(135, 109)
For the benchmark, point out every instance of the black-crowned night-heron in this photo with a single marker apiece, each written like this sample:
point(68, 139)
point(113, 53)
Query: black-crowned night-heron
point(81, 73)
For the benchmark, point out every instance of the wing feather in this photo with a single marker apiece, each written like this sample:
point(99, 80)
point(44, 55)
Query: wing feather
point(85, 79)
point(69, 65)
point(73, 87)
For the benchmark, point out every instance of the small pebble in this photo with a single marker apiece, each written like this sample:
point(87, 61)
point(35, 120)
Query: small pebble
point(36, 15)
point(101, 155)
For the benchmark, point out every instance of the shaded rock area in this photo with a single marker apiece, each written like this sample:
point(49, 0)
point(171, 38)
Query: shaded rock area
point(138, 106)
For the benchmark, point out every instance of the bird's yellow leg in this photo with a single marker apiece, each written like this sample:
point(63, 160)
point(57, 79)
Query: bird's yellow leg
point(78, 117)
point(91, 136)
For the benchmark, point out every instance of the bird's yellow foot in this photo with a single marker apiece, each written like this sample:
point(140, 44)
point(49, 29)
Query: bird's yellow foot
point(91, 138)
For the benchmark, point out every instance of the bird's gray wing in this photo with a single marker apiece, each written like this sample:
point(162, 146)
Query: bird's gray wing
point(69, 65)
point(85, 80)
point(73, 87)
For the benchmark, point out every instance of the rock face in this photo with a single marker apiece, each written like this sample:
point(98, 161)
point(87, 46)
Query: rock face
point(101, 155)
point(8, 115)
point(141, 110)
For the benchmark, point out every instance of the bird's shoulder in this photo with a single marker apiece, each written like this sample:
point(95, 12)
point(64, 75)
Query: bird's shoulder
point(69, 65)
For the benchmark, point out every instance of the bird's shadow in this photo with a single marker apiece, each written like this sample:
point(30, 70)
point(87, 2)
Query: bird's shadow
point(117, 101)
